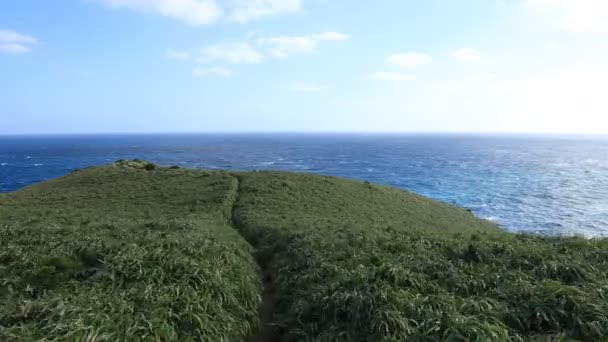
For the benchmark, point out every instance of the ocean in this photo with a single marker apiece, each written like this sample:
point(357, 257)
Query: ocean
point(547, 185)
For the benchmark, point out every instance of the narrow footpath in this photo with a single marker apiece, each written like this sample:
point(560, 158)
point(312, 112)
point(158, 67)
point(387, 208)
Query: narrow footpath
point(266, 308)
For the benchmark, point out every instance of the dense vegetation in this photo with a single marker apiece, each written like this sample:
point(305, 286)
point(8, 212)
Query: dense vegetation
point(135, 251)
point(121, 253)
point(419, 271)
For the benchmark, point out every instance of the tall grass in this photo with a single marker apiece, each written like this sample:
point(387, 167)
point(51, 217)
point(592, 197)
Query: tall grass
point(386, 265)
point(136, 252)
point(125, 252)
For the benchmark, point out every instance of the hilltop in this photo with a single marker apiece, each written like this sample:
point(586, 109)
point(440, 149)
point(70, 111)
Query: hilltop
point(135, 251)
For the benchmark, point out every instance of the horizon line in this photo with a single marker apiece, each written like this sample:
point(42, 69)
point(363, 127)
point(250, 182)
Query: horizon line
point(420, 133)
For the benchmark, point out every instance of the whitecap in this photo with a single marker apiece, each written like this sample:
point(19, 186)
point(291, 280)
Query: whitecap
point(3, 164)
point(28, 157)
point(38, 164)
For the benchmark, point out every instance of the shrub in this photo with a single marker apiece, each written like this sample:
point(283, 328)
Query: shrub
point(150, 166)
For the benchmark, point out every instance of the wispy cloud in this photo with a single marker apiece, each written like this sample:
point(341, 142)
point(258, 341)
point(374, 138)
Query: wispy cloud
point(237, 53)
point(282, 46)
point(193, 12)
point(579, 16)
point(409, 60)
point(213, 71)
point(247, 10)
point(389, 76)
point(254, 51)
point(205, 12)
point(12, 42)
point(305, 87)
point(466, 55)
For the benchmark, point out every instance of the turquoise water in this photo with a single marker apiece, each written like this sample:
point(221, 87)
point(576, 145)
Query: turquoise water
point(534, 184)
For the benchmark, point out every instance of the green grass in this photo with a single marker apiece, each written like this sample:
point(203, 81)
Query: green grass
point(357, 262)
point(125, 252)
point(132, 251)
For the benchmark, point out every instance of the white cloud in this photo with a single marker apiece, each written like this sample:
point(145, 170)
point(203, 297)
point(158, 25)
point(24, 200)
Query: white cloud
point(239, 53)
point(213, 71)
point(245, 53)
point(579, 16)
point(246, 10)
point(12, 42)
point(205, 12)
point(304, 87)
point(178, 55)
point(193, 12)
point(389, 76)
point(332, 36)
point(283, 46)
point(409, 60)
point(466, 55)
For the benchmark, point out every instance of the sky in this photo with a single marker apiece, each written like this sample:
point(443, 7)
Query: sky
point(484, 66)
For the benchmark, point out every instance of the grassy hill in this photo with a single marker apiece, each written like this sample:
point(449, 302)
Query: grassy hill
point(123, 253)
point(132, 251)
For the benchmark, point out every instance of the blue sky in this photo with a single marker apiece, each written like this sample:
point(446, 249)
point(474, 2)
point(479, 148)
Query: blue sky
point(98, 66)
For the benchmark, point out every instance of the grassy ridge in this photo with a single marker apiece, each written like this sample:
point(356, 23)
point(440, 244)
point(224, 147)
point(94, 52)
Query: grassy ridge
point(131, 251)
point(357, 262)
point(124, 253)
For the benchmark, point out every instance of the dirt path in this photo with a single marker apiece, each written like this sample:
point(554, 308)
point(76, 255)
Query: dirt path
point(266, 308)
point(265, 312)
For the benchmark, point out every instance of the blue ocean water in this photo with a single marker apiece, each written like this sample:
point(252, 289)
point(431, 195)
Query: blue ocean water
point(533, 184)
